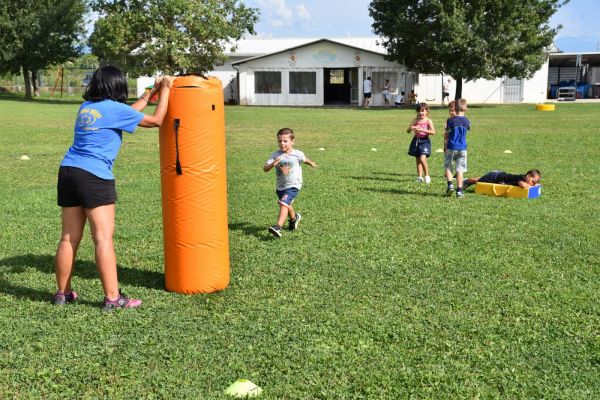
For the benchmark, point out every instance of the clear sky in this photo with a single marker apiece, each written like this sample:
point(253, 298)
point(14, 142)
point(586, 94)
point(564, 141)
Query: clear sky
point(335, 18)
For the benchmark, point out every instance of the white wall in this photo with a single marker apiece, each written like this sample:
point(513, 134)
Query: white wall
point(535, 89)
point(283, 98)
point(314, 57)
point(142, 82)
point(429, 89)
point(482, 91)
point(228, 76)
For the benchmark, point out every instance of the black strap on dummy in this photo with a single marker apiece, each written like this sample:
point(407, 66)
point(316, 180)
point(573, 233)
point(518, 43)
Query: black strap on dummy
point(177, 163)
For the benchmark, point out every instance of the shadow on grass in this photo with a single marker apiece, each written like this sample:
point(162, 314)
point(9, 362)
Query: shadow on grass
point(403, 192)
point(375, 178)
point(22, 292)
point(392, 173)
point(260, 232)
point(83, 269)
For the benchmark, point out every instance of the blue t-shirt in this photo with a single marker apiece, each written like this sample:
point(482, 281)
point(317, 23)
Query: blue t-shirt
point(457, 132)
point(98, 136)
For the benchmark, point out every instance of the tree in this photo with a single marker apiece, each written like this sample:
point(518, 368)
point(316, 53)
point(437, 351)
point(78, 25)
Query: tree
point(170, 36)
point(468, 39)
point(37, 34)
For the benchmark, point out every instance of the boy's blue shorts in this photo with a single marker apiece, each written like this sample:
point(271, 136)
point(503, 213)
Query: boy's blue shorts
point(287, 196)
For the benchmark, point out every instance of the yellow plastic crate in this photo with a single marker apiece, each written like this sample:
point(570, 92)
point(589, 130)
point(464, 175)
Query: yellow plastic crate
point(499, 190)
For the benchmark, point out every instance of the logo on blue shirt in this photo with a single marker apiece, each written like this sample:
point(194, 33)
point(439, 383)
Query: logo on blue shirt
point(87, 117)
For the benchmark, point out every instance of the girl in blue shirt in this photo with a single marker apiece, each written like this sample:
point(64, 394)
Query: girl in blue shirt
point(86, 185)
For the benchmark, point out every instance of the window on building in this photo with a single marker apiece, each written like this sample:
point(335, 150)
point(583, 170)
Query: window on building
point(336, 77)
point(379, 78)
point(267, 82)
point(303, 82)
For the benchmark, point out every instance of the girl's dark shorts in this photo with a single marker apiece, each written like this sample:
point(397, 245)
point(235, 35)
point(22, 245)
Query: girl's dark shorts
point(78, 188)
point(419, 147)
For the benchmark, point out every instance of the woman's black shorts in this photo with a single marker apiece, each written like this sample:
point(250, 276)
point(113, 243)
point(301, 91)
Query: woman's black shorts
point(78, 188)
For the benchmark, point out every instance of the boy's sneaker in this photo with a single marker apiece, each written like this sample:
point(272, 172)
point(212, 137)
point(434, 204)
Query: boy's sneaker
point(427, 179)
point(275, 230)
point(450, 190)
point(62, 298)
point(294, 222)
point(419, 180)
point(459, 194)
point(121, 302)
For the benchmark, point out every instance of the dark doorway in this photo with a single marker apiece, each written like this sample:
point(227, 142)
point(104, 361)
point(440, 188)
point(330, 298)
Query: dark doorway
point(337, 84)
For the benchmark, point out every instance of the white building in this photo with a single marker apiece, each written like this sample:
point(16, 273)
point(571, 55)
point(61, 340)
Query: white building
point(307, 72)
point(316, 72)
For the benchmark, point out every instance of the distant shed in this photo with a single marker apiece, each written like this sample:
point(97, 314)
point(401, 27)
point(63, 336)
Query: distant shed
point(579, 70)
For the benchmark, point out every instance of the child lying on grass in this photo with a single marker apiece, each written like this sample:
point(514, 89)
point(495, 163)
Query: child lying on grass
point(529, 179)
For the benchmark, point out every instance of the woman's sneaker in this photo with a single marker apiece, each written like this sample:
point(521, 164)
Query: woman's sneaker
point(294, 222)
point(121, 302)
point(62, 298)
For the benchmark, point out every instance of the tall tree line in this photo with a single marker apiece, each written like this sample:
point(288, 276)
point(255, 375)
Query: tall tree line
point(468, 39)
point(35, 34)
point(140, 36)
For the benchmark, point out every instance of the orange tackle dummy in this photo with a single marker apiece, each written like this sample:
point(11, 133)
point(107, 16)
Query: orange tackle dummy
point(194, 187)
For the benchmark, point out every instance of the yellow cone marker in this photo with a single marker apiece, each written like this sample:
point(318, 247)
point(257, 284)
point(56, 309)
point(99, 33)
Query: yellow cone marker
point(507, 151)
point(439, 151)
point(24, 157)
point(243, 388)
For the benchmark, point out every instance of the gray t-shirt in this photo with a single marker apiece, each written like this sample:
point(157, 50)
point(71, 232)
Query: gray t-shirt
point(289, 169)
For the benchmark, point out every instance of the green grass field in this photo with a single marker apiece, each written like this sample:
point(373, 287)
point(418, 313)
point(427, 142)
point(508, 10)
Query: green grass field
point(388, 290)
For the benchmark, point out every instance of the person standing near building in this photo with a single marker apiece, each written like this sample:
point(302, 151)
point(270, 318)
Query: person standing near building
point(446, 90)
point(386, 93)
point(367, 88)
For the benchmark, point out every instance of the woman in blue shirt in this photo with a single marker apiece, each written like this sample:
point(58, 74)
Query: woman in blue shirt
point(86, 185)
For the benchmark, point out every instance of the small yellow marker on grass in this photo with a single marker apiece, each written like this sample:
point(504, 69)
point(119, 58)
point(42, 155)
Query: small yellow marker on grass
point(243, 388)
point(507, 152)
